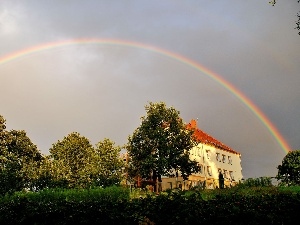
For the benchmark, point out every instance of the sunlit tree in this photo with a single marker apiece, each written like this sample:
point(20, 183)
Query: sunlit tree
point(289, 170)
point(107, 164)
point(160, 145)
point(18, 159)
point(69, 159)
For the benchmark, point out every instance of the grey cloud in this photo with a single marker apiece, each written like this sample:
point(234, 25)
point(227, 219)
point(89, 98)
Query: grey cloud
point(100, 90)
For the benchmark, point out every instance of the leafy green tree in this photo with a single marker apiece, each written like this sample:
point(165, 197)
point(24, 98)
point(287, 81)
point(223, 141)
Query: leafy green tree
point(3, 135)
point(18, 159)
point(10, 176)
point(289, 170)
point(160, 145)
point(10, 166)
point(49, 174)
point(69, 159)
point(107, 164)
point(19, 143)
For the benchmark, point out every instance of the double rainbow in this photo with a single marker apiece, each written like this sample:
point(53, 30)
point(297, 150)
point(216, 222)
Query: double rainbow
point(260, 115)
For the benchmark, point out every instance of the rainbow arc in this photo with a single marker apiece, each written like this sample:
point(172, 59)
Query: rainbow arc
point(197, 66)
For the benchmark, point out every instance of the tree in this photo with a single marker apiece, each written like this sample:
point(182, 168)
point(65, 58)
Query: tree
point(107, 166)
point(69, 159)
point(74, 162)
point(3, 135)
point(20, 144)
point(18, 159)
point(289, 170)
point(160, 145)
point(273, 2)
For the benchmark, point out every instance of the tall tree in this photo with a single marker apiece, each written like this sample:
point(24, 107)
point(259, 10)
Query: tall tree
point(160, 145)
point(289, 170)
point(18, 159)
point(107, 164)
point(3, 135)
point(70, 158)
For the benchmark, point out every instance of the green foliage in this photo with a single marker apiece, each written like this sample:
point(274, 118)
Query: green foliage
point(20, 145)
point(292, 189)
point(257, 205)
point(10, 177)
point(161, 144)
point(256, 182)
point(2, 123)
point(70, 159)
point(18, 159)
point(59, 206)
point(50, 175)
point(107, 167)
point(74, 162)
point(289, 170)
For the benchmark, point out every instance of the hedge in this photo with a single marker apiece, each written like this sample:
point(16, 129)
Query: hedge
point(113, 205)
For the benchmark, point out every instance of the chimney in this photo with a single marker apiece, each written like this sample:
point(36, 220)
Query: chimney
point(193, 124)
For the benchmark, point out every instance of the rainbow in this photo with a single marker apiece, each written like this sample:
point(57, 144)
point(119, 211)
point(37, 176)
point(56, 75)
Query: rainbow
point(260, 115)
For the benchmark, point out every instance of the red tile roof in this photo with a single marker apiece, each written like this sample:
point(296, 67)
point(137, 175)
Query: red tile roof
point(205, 138)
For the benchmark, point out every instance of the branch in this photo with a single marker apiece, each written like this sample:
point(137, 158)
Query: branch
point(298, 22)
point(273, 2)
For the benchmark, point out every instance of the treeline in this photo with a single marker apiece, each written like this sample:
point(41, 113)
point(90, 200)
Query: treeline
point(75, 183)
point(72, 163)
point(113, 205)
point(158, 147)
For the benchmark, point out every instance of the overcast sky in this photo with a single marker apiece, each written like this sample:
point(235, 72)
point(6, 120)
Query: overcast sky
point(100, 90)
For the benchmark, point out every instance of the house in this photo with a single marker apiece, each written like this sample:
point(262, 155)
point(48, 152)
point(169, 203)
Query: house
point(213, 158)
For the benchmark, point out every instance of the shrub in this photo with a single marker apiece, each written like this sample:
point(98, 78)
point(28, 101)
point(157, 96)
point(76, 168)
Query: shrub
point(113, 205)
point(59, 206)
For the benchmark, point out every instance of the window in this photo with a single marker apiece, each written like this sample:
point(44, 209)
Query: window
point(229, 160)
point(208, 154)
point(199, 152)
point(225, 174)
point(223, 158)
point(209, 170)
point(200, 168)
point(192, 151)
point(218, 158)
point(231, 175)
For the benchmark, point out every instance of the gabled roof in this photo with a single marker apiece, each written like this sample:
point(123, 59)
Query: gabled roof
point(205, 138)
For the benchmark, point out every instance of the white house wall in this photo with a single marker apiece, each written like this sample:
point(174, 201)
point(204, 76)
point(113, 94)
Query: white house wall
point(206, 155)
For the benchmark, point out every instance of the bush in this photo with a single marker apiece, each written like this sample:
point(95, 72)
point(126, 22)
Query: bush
point(113, 205)
point(256, 182)
point(59, 206)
